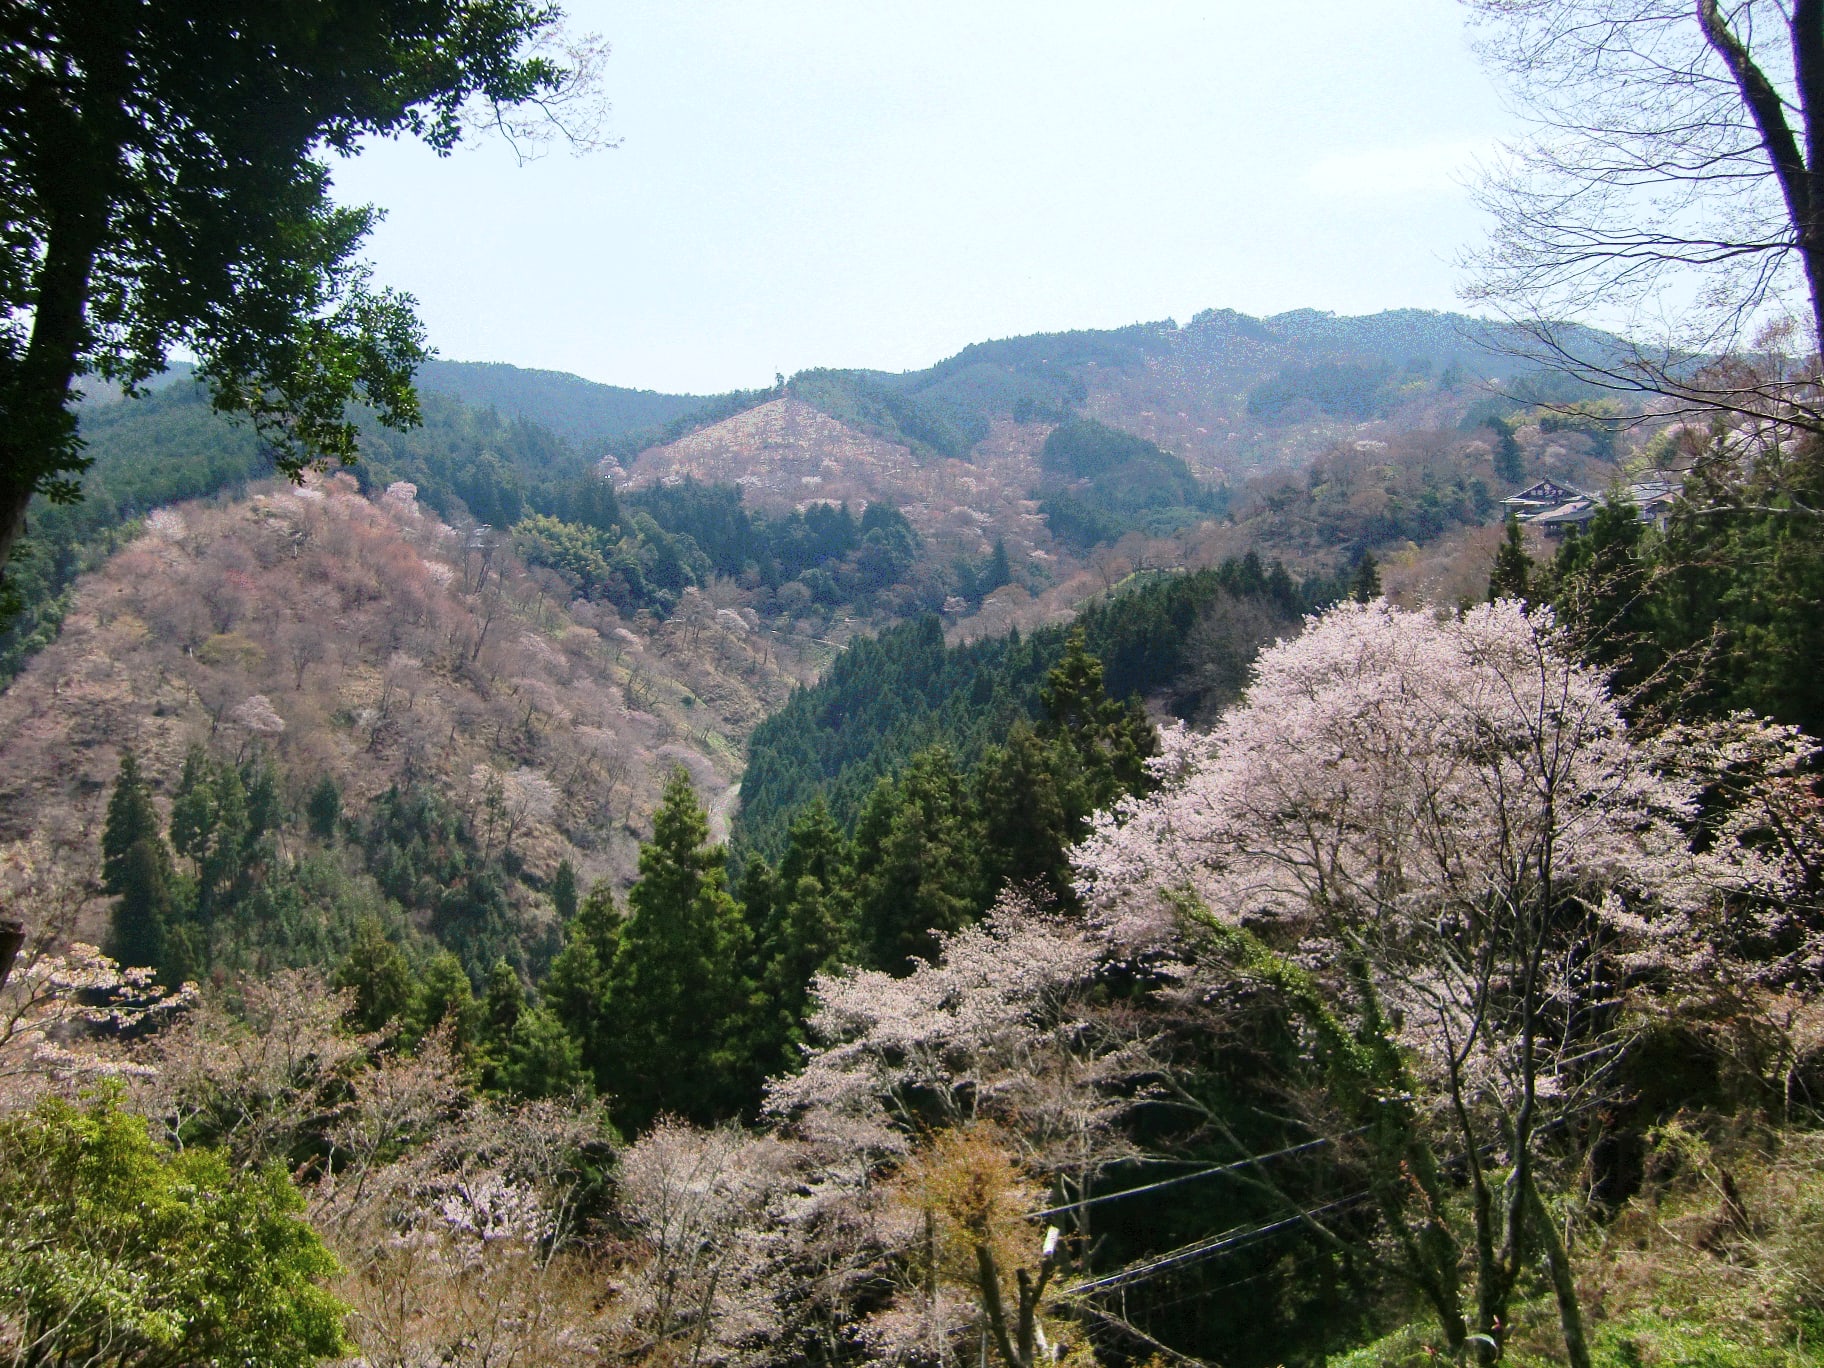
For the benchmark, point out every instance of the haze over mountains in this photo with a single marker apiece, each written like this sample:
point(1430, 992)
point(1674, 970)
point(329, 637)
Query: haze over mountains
point(613, 581)
point(1169, 382)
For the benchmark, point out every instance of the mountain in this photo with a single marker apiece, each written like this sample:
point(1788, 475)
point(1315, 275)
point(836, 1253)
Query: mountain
point(332, 637)
point(583, 411)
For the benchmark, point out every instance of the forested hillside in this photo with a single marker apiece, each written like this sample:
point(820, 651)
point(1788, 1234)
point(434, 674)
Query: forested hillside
point(589, 414)
point(1181, 642)
point(586, 770)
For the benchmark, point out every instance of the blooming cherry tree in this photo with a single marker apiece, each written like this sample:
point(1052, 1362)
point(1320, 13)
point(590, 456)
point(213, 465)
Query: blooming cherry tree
point(1437, 837)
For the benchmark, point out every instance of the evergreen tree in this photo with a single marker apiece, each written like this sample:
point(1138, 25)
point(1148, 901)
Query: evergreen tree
point(131, 819)
point(576, 988)
point(375, 970)
point(265, 806)
point(998, 573)
point(209, 825)
point(501, 1004)
point(917, 858)
point(1510, 461)
point(1028, 823)
point(1105, 741)
point(323, 808)
point(1513, 572)
point(809, 927)
point(1600, 580)
point(136, 868)
point(1366, 586)
point(443, 994)
point(540, 1058)
point(678, 1005)
point(143, 912)
point(563, 891)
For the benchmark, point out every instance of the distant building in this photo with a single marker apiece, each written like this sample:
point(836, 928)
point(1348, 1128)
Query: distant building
point(1557, 508)
point(1542, 497)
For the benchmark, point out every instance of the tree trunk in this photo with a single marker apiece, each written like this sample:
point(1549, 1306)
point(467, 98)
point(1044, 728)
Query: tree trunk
point(1564, 1283)
point(76, 194)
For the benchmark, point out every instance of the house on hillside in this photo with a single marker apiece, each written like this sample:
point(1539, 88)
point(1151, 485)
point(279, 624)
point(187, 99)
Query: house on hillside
point(1542, 497)
point(1557, 508)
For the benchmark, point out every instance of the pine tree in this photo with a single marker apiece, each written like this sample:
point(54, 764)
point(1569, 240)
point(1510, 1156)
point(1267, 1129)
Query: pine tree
point(540, 1058)
point(443, 995)
point(1513, 572)
point(1106, 741)
point(678, 1005)
point(921, 875)
point(809, 927)
point(1510, 461)
point(1027, 823)
point(1366, 586)
point(265, 806)
point(575, 989)
point(136, 868)
point(142, 917)
point(209, 825)
point(998, 573)
point(1600, 581)
point(375, 970)
point(131, 819)
point(323, 809)
point(502, 1003)
point(563, 891)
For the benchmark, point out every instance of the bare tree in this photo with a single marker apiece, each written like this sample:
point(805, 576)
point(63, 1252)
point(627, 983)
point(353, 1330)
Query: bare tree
point(1671, 185)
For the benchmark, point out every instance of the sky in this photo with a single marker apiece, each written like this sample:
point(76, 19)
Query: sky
point(801, 183)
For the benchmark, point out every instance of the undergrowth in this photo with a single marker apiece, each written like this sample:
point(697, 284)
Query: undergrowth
point(1717, 1262)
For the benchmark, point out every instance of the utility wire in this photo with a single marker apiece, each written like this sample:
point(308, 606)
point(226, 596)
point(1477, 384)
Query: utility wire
point(1217, 1245)
point(1212, 1172)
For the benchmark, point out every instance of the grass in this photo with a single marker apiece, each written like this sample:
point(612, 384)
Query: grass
point(1718, 1262)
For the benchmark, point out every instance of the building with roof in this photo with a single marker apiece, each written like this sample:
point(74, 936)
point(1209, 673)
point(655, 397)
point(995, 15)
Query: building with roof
point(1557, 508)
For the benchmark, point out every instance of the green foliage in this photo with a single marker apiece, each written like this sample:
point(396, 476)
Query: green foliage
point(442, 996)
point(563, 891)
point(1351, 390)
point(886, 698)
point(607, 565)
point(424, 856)
point(1101, 483)
point(946, 409)
point(929, 424)
point(934, 844)
point(1365, 587)
point(805, 923)
point(677, 1004)
point(323, 809)
point(1718, 611)
point(131, 819)
point(539, 1057)
point(376, 971)
point(1513, 573)
point(170, 188)
point(917, 863)
point(578, 410)
point(1510, 461)
point(121, 1251)
point(576, 989)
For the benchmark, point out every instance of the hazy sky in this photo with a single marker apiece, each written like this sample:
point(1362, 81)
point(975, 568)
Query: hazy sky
point(852, 183)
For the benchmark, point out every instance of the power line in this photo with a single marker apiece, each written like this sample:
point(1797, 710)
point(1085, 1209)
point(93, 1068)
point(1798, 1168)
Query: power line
point(1212, 1172)
point(1217, 1245)
point(1211, 1247)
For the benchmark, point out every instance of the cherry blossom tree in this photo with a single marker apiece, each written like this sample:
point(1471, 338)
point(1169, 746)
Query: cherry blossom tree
point(1437, 839)
point(981, 1070)
point(63, 1000)
point(995, 1028)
